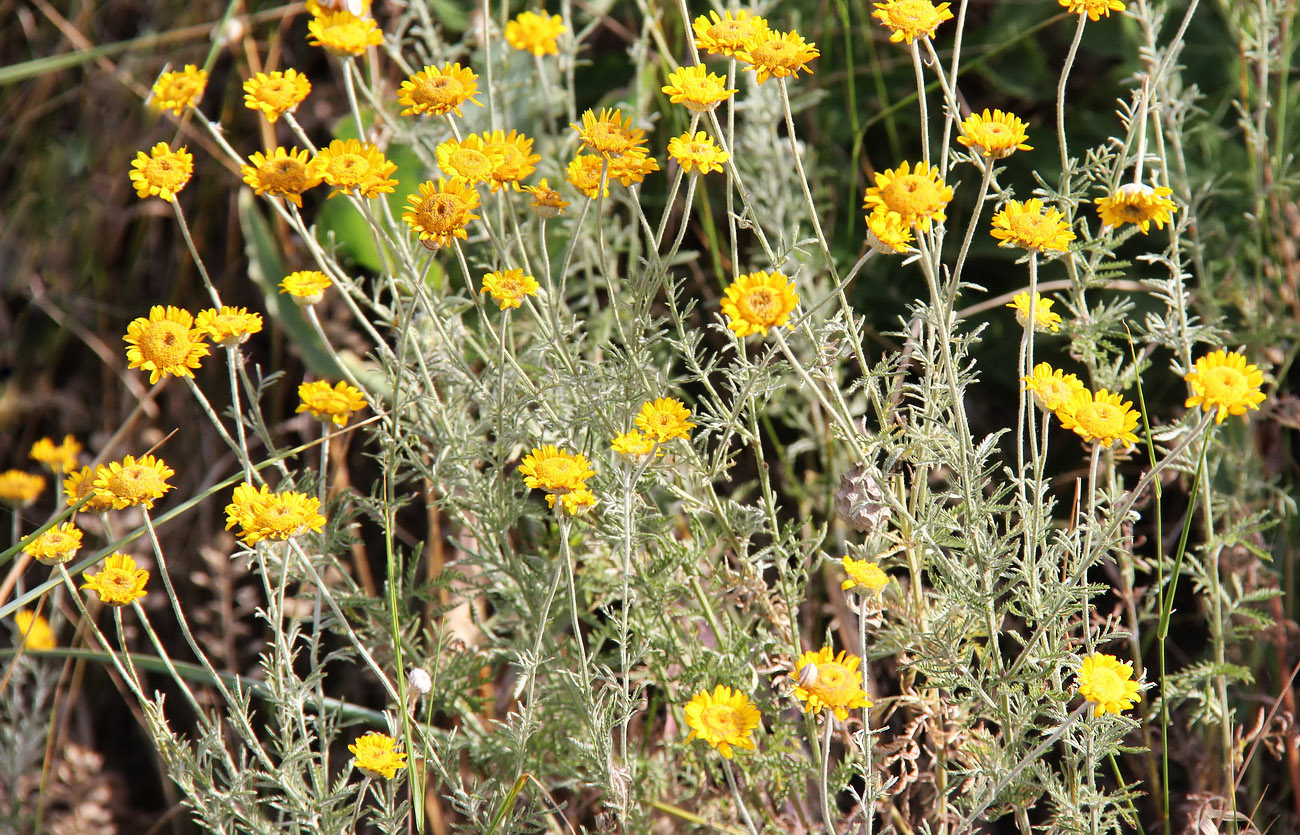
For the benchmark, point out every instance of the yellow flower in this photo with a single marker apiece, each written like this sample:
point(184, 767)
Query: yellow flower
point(132, 482)
point(722, 718)
point(994, 134)
point(609, 133)
point(826, 680)
point(863, 574)
point(353, 166)
point(584, 174)
point(377, 755)
point(911, 19)
point(632, 444)
point(284, 173)
point(276, 93)
point(664, 419)
point(60, 458)
point(20, 488)
point(1028, 226)
point(1044, 319)
point(344, 33)
point(470, 159)
point(119, 582)
point(179, 89)
point(81, 484)
point(162, 172)
point(574, 502)
point(1052, 388)
point(728, 34)
point(508, 287)
point(1101, 418)
point(697, 151)
point(917, 196)
point(535, 33)
point(57, 545)
point(229, 326)
point(262, 514)
point(758, 301)
point(330, 404)
point(306, 286)
point(512, 154)
point(34, 630)
point(439, 213)
point(555, 470)
point(631, 169)
point(547, 202)
point(1093, 8)
point(697, 88)
point(1108, 683)
point(1139, 204)
point(1226, 382)
point(887, 232)
point(165, 343)
point(777, 55)
point(438, 90)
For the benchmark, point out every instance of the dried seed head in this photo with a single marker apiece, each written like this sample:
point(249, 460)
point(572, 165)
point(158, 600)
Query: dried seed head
point(860, 499)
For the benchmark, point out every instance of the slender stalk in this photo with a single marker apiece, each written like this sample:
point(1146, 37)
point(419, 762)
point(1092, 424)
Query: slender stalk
point(1060, 100)
point(736, 796)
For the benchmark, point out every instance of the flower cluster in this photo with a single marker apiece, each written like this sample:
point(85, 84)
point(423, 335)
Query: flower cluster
point(562, 474)
point(264, 515)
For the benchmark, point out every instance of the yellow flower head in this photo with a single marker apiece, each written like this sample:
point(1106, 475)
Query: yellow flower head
point(81, 484)
point(1028, 226)
point(584, 174)
point(512, 155)
point(330, 404)
point(1226, 382)
point(777, 55)
point(19, 488)
point(131, 482)
point(911, 19)
point(609, 133)
point(470, 159)
point(1094, 9)
point(276, 93)
point(863, 574)
point(994, 134)
point(826, 680)
point(377, 755)
point(547, 202)
point(1052, 387)
point(698, 151)
point(352, 166)
point(1108, 683)
point(1101, 418)
point(165, 343)
point(34, 630)
point(632, 169)
point(508, 287)
point(262, 514)
point(440, 213)
point(728, 34)
point(535, 33)
point(344, 33)
point(722, 718)
point(162, 172)
point(1044, 319)
point(574, 502)
point(555, 470)
point(697, 88)
point(60, 458)
point(632, 444)
point(306, 286)
point(57, 545)
point(887, 232)
point(664, 419)
point(437, 90)
point(229, 326)
point(284, 173)
point(1139, 204)
point(119, 582)
point(179, 89)
point(918, 196)
point(758, 301)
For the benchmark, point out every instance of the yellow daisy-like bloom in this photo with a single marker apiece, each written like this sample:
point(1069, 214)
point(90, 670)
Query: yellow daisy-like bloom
point(777, 55)
point(513, 157)
point(434, 91)
point(1226, 382)
point(162, 172)
point(631, 169)
point(632, 444)
point(918, 196)
point(1108, 683)
point(229, 326)
point(508, 287)
point(34, 630)
point(1044, 319)
point(60, 458)
point(330, 404)
point(547, 202)
point(377, 755)
point(887, 232)
point(911, 19)
point(584, 174)
point(728, 34)
point(555, 470)
point(722, 718)
point(535, 33)
point(276, 93)
point(574, 502)
point(609, 133)
point(179, 89)
point(306, 286)
point(165, 343)
point(698, 151)
point(697, 88)
point(1029, 226)
point(1139, 204)
point(663, 419)
point(1100, 417)
point(826, 680)
point(352, 166)
point(1052, 387)
point(470, 159)
point(57, 545)
point(119, 582)
point(994, 134)
point(344, 33)
point(284, 173)
point(20, 488)
point(863, 574)
point(1094, 9)
point(262, 514)
point(131, 482)
point(439, 213)
point(81, 484)
point(758, 301)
